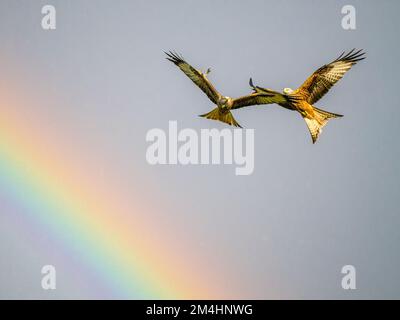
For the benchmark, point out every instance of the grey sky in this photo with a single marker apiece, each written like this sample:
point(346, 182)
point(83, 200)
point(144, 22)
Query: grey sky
point(307, 210)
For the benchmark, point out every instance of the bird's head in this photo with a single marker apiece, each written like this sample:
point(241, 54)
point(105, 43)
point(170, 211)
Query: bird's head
point(223, 100)
point(287, 91)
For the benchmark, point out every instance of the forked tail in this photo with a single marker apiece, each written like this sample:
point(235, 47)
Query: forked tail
point(320, 119)
point(217, 114)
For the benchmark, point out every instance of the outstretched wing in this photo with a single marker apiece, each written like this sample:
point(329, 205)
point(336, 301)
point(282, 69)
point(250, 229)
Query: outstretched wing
point(259, 98)
point(262, 96)
point(197, 77)
point(319, 83)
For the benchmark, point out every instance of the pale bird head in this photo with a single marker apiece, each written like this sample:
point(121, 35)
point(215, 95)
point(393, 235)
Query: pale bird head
point(223, 100)
point(287, 91)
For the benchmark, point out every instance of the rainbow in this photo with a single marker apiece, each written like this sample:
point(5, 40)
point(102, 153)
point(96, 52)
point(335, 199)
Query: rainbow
point(107, 233)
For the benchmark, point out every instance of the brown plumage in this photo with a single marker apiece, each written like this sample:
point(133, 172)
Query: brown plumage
point(225, 104)
point(319, 83)
point(315, 87)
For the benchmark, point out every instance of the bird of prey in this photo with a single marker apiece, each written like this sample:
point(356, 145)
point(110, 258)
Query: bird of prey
point(314, 88)
point(225, 104)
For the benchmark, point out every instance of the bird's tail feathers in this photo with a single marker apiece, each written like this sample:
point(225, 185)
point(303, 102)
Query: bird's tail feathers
point(320, 119)
point(217, 114)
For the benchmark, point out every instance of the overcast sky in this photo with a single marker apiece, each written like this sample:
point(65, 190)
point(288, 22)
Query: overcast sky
point(307, 210)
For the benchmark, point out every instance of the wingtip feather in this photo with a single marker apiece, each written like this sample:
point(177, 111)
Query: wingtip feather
point(174, 57)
